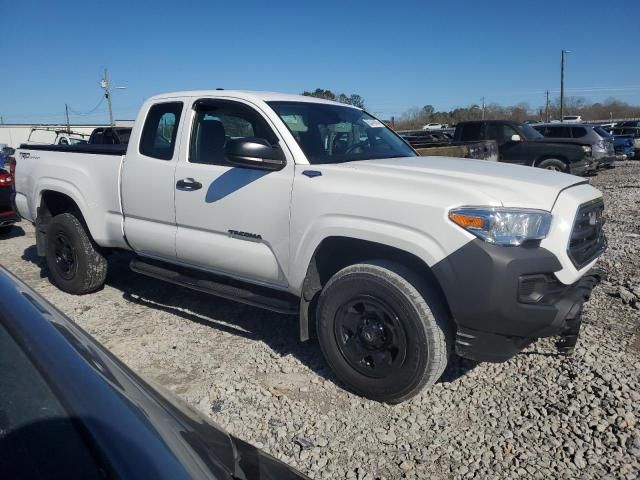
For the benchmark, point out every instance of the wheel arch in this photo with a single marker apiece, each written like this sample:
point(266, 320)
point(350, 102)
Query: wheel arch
point(334, 253)
point(52, 202)
point(549, 156)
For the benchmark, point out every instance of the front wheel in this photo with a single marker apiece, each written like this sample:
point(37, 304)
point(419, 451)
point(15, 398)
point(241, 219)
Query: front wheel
point(383, 331)
point(74, 262)
point(553, 164)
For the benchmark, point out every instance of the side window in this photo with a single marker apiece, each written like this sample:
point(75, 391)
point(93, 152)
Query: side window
point(218, 122)
point(160, 130)
point(578, 132)
point(500, 133)
point(557, 132)
point(471, 131)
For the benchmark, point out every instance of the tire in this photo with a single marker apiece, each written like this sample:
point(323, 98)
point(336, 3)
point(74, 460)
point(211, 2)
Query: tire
point(74, 262)
point(5, 230)
point(553, 164)
point(368, 306)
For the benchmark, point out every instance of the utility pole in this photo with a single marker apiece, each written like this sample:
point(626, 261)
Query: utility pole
point(104, 83)
point(66, 113)
point(546, 110)
point(562, 83)
point(482, 108)
point(1, 120)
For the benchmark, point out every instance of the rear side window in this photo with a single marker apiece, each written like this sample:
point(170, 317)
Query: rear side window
point(557, 132)
point(578, 132)
point(471, 131)
point(160, 130)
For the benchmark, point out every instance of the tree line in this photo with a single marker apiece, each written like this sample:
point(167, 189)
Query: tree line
point(353, 99)
point(415, 118)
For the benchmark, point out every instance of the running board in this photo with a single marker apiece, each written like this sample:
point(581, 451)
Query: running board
point(254, 295)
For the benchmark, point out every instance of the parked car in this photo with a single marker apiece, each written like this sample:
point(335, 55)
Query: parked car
point(624, 147)
point(317, 209)
point(600, 141)
point(572, 119)
point(71, 410)
point(521, 144)
point(629, 124)
point(634, 133)
point(110, 136)
point(7, 215)
point(434, 126)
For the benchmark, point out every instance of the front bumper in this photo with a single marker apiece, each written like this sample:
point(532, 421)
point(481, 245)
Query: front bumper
point(504, 298)
point(606, 161)
point(582, 167)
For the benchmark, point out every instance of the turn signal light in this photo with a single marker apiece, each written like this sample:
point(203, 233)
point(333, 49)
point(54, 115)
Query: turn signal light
point(467, 221)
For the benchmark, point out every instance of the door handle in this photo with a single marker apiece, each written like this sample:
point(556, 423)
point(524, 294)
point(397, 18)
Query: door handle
point(188, 185)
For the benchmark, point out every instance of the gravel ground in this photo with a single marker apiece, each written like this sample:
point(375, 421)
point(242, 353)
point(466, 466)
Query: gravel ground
point(536, 416)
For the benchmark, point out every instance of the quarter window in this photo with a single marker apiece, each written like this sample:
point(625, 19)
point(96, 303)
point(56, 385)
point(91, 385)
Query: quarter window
point(160, 130)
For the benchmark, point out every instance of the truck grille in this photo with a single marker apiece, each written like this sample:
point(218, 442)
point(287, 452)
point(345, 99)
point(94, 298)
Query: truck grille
point(587, 239)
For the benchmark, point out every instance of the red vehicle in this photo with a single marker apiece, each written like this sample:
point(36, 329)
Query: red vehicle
point(7, 216)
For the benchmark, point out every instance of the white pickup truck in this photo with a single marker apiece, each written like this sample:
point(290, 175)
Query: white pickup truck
point(314, 208)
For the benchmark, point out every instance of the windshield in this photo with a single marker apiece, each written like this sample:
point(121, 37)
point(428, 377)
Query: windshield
point(334, 134)
point(530, 132)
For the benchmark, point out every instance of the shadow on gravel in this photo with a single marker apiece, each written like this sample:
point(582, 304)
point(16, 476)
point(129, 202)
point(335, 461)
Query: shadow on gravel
point(279, 332)
point(30, 254)
point(13, 232)
point(457, 368)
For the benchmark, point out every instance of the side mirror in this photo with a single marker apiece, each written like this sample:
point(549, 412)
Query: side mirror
point(516, 138)
point(254, 152)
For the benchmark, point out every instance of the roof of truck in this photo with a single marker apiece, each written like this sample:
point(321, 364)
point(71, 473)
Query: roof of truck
point(248, 95)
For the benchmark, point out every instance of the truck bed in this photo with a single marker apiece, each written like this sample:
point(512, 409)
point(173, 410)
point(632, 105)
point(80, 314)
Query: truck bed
point(88, 174)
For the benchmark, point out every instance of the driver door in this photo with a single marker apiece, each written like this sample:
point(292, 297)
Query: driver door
point(510, 151)
point(231, 220)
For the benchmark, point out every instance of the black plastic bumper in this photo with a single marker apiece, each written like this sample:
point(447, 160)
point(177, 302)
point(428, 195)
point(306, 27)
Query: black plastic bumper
point(504, 298)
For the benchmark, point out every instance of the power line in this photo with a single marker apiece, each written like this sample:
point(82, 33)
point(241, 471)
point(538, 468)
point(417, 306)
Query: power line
point(90, 111)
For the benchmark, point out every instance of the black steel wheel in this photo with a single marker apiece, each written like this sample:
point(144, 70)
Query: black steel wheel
point(74, 261)
point(383, 330)
point(370, 336)
point(65, 258)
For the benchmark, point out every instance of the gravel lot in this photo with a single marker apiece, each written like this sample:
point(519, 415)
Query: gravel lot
point(536, 416)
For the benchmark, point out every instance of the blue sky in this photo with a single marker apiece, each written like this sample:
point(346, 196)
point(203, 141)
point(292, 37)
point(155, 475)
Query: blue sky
point(397, 55)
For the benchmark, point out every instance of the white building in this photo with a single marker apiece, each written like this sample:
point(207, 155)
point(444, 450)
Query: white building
point(14, 134)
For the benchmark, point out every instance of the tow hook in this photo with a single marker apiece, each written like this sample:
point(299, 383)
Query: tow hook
point(566, 344)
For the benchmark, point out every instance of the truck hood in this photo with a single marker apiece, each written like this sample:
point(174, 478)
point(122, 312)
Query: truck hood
point(509, 185)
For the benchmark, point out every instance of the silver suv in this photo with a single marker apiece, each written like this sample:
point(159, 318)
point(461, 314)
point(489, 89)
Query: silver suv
point(600, 140)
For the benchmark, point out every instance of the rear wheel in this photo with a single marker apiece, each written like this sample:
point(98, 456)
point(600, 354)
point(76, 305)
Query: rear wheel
point(381, 329)
point(553, 164)
point(75, 264)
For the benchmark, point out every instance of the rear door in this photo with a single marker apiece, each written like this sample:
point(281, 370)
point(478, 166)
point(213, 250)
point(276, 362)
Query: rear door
point(232, 220)
point(148, 191)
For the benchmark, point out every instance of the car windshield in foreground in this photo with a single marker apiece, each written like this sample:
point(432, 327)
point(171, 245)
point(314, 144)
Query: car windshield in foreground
point(530, 132)
point(334, 134)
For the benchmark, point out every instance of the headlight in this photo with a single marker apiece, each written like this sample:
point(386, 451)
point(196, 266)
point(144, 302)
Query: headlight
point(503, 226)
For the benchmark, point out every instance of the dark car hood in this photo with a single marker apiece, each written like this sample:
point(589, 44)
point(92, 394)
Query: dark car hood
point(140, 432)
